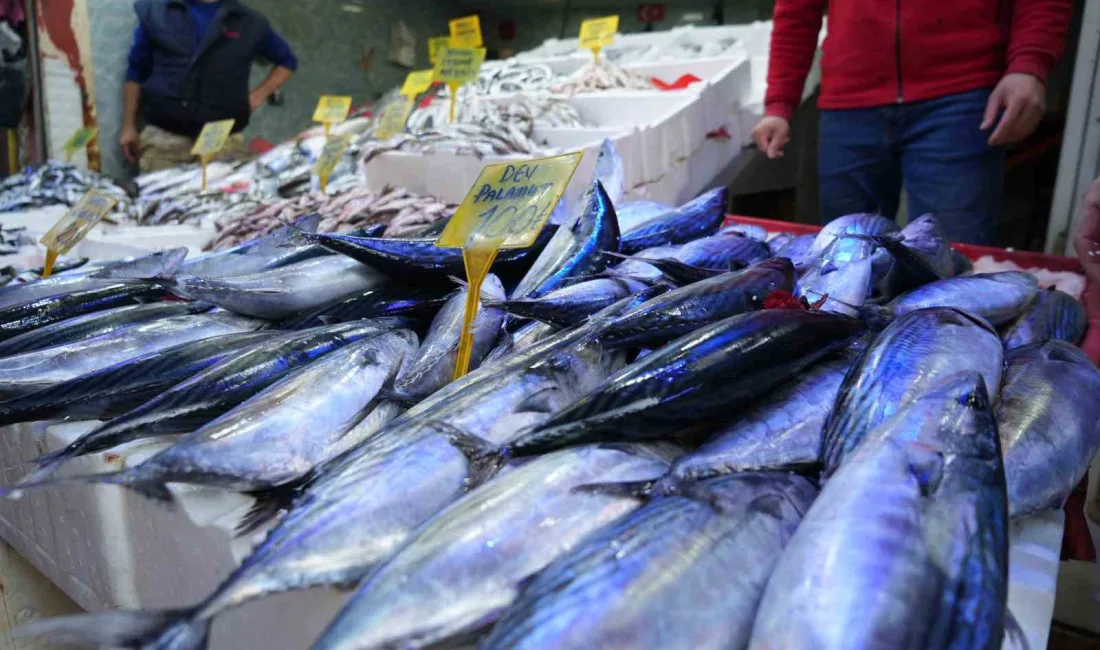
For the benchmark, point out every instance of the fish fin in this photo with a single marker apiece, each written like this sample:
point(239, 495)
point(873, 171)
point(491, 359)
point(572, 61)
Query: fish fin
point(269, 505)
point(926, 464)
point(1015, 639)
point(165, 273)
point(459, 281)
point(617, 255)
point(151, 630)
point(875, 317)
point(539, 401)
point(626, 489)
point(484, 458)
point(308, 223)
point(149, 487)
point(389, 394)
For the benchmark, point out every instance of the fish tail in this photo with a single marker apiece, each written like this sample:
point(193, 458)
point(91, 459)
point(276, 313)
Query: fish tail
point(175, 629)
point(484, 459)
point(269, 505)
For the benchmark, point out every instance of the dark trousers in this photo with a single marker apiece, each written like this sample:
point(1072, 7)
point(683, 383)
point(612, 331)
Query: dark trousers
point(934, 148)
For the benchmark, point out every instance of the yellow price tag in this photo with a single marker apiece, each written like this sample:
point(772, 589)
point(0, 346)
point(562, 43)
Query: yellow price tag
point(393, 119)
point(331, 155)
point(459, 65)
point(506, 208)
point(466, 32)
point(75, 225)
point(598, 33)
point(79, 140)
point(418, 83)
point(212, 138)
point(332, 109)
point(436, 45)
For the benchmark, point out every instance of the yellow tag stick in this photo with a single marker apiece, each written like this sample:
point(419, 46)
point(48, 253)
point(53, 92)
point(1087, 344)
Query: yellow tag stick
point(598, 33)
point(75, 226)
point(210, 141)
point(332, 109)
point(330, 157)
point(506, 208)
point(466, 32)
point(79, 140)
point(458, 66)
point(13, 152)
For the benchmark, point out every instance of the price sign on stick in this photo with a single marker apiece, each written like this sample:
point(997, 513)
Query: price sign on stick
point(458, 66)
point(466, 32)
point(75, 225)
point(436, 45)
point(79, 140)
point(598, 33)
point(330, 157)
point(393, 119)
point(506, 208)
point(418, 83)
point(332, 109)
point(210, 141)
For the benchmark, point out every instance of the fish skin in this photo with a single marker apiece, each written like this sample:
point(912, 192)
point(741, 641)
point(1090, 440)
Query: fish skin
point(466, 565)
point(283, 292)
point(417, 303)
point(115, 390)
point(572, 304)
point(962, 263)
point(280, 434)
point(843, 275)
point(31, 316)
point(998, 298)
point(907, 544)
point(799, 252)
point(660, 577)
point(420, 260)
point(1055, 315)
point(1048, 424)
point(96, 324)
point(870, 225)
point(700, 217)
point(262, 254)
point(98, 278)
point(514, 342)
point(682, 311)
point(609, 171)
point(434, 365)
point(577, 249)
point(216, 390)
point(31, 371)
point(915, 353)
point(783, 430)
point(746, 230)
point(722, 253)
point(632, 214)
point(779, 242)
point(926, 237)
point(683, 386)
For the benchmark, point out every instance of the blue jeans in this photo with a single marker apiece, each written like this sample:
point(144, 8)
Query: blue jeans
point(934, 147)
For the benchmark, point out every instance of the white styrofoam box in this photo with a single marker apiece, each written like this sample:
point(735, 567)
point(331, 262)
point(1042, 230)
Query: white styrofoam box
point(108, 549)
point(153, 238)
point(36, 220)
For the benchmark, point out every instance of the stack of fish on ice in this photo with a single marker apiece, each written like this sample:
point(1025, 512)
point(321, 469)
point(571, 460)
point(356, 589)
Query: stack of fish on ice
point(674, 436)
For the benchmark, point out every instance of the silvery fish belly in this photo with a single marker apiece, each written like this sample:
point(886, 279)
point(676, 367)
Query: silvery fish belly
point(906, 546)
point(782, 431)
point(465, 566)
point(25, 373)
point(634, 213)
point(915, 353)
point(679, 573)
point(799, 251)
point(697, 218)
point(1055, 315)
point(434, 365)
point(1048, 423)
point(996, 297)
point(572, 304)
point(286, 291)
point(853, 224)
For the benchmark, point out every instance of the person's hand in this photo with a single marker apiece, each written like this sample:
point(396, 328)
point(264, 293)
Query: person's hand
point(130, 141)
point(1020, 100)
point(771, 135)
point(256, 100)
point(1086, 241)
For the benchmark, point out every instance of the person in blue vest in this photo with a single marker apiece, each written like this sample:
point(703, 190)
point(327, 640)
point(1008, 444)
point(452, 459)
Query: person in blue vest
point(189, 65)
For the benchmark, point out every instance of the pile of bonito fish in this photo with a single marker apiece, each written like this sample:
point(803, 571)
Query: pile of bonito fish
point(675, 436)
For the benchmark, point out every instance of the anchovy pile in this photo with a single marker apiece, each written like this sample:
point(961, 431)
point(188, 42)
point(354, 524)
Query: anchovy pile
point(673, 436)
point(54, 183)
point(401, 212)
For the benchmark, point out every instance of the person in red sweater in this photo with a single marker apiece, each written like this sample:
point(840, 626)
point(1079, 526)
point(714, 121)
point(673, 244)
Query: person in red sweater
point(917, 93)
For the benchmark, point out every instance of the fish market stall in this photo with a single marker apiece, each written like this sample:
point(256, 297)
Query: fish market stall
point(265, 445)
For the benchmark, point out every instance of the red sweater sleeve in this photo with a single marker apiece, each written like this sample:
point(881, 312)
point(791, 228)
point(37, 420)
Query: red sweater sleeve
point(1038, 36)
point(797, 24)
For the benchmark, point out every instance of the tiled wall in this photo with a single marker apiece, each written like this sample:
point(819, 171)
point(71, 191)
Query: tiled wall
point(330, 43)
